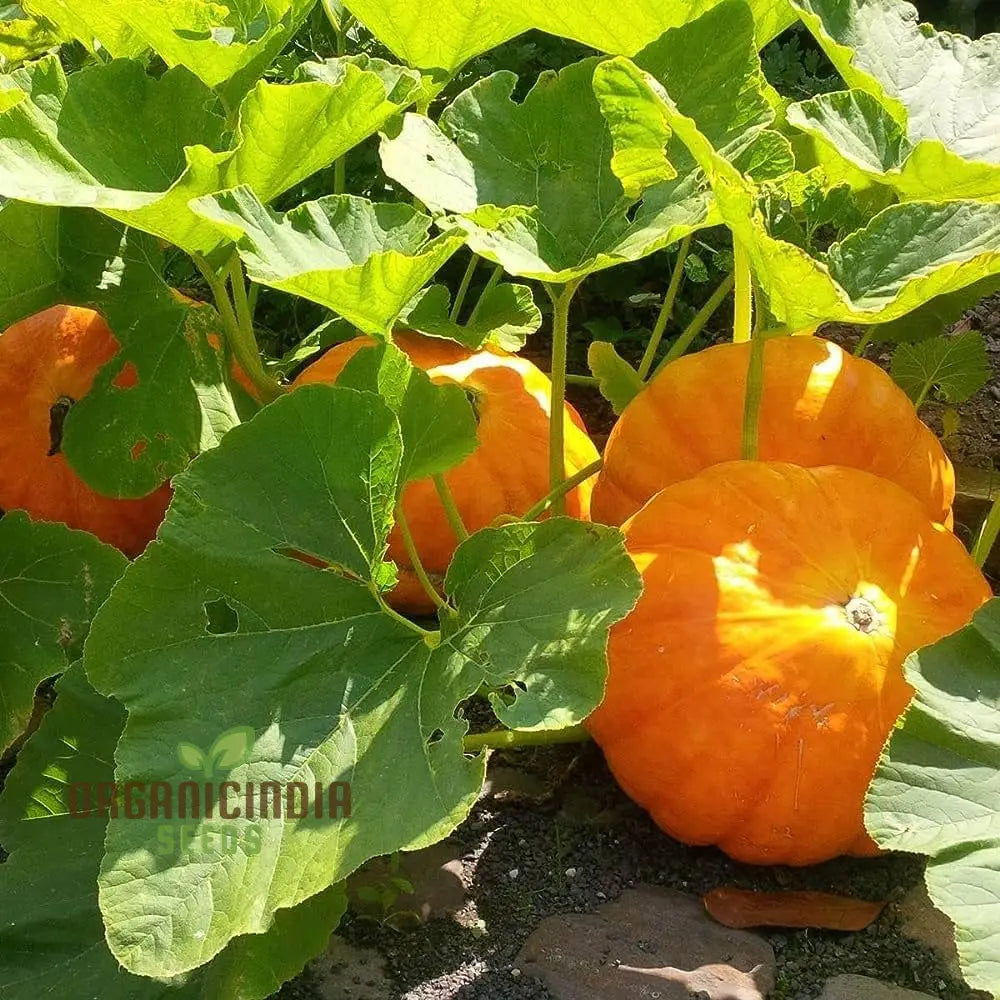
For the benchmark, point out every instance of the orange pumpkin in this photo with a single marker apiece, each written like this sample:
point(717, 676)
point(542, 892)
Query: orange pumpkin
point(507, 474)
point(753, 687)
point(821, 406)
point(48, 362)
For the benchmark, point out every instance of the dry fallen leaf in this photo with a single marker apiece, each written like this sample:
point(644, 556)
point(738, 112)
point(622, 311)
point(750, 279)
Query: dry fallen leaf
point(744, 908)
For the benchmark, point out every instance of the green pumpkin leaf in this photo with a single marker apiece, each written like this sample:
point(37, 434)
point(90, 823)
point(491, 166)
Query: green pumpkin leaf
point(425, 35)
point(23, 37)
point(55, 850)
point(364, 261)
point(286, 523)
point(937, 85)
point(163, 141)
point(854, 126)
point(52, 581)
point(617, 380)
point(436, 421)
point(91, 23)
point(937, 787)
point(906, 256)
point(505, 316)
point(953, 367)
point(935, 317)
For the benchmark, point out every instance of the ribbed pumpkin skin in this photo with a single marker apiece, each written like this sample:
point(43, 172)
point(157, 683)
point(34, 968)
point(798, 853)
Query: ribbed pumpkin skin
point(821, 406)
point(743, 708)
point(56, 353)
point(507, 474)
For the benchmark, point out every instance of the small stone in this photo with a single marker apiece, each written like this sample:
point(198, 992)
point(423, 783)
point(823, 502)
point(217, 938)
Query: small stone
point(345, 971)
point(513, 873)
point(922, 921)
point(856, 987)
point(515, 973)
point(649, 941)
point(570, 873)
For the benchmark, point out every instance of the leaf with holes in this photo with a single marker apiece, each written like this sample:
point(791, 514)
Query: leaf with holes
point(164, 397)
point(164, 140)
point(51, 826)
point(365, 261)
point(937, 787)
point(954, 368)
point(299, 502)
point(52, 581)
point(505, 315)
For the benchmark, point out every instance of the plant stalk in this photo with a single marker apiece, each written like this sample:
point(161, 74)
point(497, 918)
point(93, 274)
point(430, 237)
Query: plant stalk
point(988, 535)
point(754, 395)
point(561, 300)
point(866, 339)
point(493, 281)
point(397, 617)
point(451, 510)
point(511, 739)
point(417, 564)
point(565, 487)
point(743, 310)
point(587, 380)
point(707, 311)
point(463, 288)
point(238, 324)
point(676, 280)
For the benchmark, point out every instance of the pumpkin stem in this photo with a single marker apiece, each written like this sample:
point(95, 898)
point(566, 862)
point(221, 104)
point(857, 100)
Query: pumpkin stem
point(863, 615)
point(58, 412)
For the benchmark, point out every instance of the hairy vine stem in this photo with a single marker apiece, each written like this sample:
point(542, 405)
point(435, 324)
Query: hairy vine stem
point(511, 739)
point(451, 510)
point(707, 311)
point(561, 299)
point(417, 563)
point(567, 486)
point(676, 279)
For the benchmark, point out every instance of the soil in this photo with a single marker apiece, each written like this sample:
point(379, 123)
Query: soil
point(584, 842)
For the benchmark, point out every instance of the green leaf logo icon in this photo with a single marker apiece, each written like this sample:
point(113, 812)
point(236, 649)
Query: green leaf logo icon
point(230, 750)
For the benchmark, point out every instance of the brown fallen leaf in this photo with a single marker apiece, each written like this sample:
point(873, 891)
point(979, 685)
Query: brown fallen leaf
point(744, 908)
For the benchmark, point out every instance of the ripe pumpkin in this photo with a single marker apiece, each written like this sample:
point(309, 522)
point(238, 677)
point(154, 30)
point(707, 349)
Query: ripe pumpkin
point(753, 687)
point(821, 406)
point(507, 474)
point(48, 362)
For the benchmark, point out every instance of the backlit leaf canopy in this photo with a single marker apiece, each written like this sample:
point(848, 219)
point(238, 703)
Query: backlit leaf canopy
point(163, 141)
point(550, 191)
point(334, 688)
point(122, 441)
point(365, 261)
point(55, 860)
point(52, 581)
point(215, 41)
point(924, 113)
point(907, 255)
point(937, 788)
point(444, 36)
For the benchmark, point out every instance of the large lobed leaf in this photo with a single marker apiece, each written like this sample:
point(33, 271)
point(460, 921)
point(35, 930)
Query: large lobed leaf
point(363, 260)
point(256, 607)
point(52, 938)
point(216, 42)
point(549, 190)
point(937, 789)
point(163, 141)
point(923, 115)
point(907, 255)
point(52, 581)
point(439, 36)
